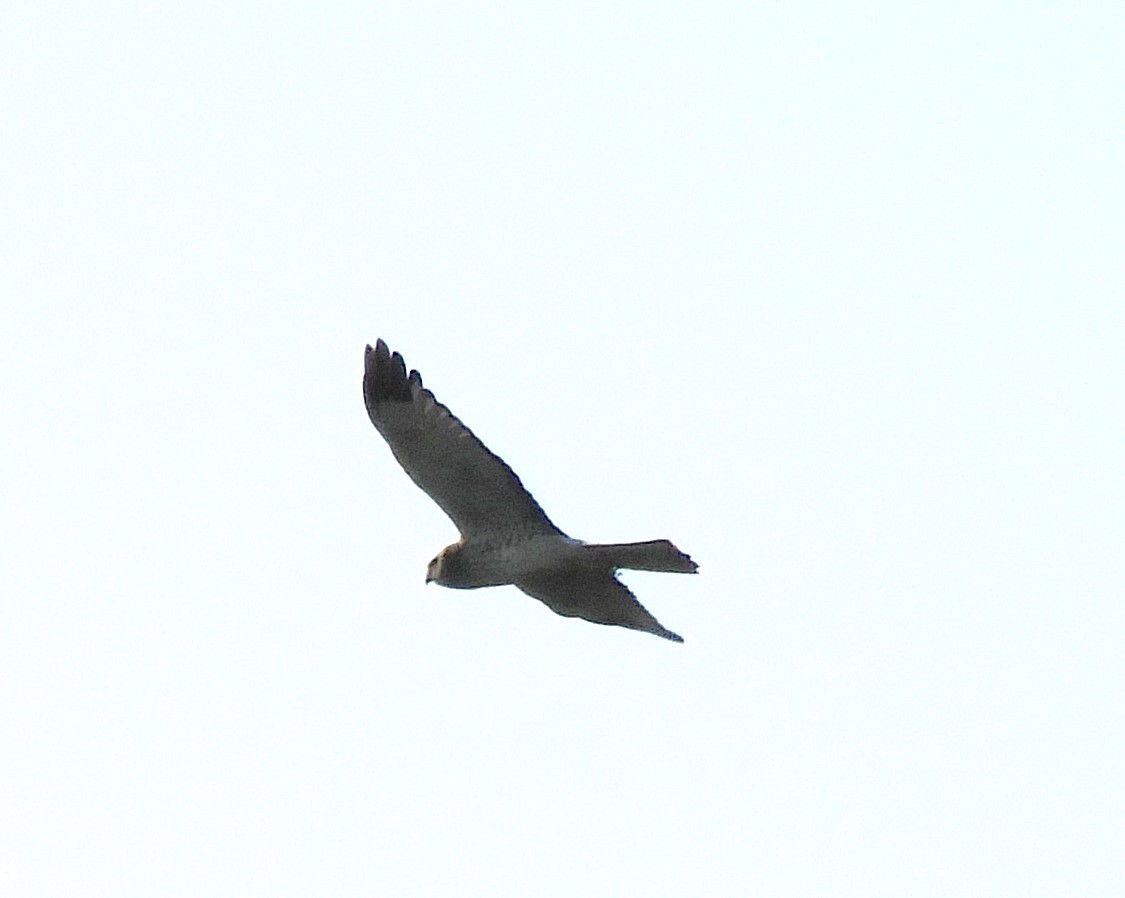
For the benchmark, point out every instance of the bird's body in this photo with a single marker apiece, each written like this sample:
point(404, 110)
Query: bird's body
point(506, 538)
point(484, 562)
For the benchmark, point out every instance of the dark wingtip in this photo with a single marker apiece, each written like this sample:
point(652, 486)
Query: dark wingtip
point(384, 378)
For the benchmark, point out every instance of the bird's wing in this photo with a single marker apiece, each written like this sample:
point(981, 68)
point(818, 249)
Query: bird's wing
point(596, 596)
point(472, 485)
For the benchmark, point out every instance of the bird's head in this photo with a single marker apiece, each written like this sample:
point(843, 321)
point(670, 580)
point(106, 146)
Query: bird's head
point(449, 568)
point(433, 572)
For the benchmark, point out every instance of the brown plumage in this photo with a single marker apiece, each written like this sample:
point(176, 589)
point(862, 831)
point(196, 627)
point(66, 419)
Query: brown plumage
point(506, 538)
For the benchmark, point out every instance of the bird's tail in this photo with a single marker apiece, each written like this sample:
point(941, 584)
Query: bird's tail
point(654, 555)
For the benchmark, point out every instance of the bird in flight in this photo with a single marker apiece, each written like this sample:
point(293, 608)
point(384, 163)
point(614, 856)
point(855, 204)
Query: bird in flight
point(506, 538)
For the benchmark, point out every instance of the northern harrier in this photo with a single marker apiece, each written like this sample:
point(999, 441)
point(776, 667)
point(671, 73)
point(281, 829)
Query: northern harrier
point(505, 536)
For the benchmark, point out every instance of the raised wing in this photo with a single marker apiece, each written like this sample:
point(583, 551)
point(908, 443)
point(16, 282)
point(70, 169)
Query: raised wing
point(596, 596)
point(472, 485)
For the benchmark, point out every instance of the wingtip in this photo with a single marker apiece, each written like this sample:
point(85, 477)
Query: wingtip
point(385, 376)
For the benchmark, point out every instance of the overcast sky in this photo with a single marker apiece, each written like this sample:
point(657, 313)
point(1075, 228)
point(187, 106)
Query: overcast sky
point(830, 294)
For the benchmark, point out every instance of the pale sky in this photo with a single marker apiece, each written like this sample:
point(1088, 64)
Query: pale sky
point(832, 295)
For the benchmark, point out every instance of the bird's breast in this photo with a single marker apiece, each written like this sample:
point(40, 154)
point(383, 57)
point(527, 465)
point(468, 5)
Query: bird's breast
point(503, 561)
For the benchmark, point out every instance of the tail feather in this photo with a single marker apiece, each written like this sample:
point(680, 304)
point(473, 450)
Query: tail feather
point(654, 555)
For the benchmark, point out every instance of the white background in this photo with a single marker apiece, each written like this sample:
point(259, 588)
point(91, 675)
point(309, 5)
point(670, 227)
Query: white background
point(829, 294)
